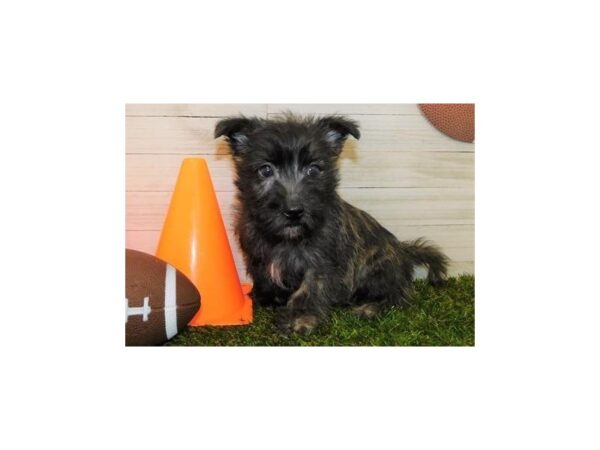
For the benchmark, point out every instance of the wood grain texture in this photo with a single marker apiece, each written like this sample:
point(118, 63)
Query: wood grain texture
point(400, 133)
point(409, 176)
point(172, 135)
point(373, 169)
point(197, 110)
point(392, 207)
point(346, 108)
point(194, 135)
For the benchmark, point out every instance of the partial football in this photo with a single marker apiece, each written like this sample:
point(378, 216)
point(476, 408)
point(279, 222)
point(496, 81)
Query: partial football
point(456, 120)
point(159, 300)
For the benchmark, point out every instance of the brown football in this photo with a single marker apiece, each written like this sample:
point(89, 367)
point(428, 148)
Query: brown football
point(456, 120)
point(159, 300)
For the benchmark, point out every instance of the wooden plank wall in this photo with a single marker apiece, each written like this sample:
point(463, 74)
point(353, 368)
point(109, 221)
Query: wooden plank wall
point(415, 180)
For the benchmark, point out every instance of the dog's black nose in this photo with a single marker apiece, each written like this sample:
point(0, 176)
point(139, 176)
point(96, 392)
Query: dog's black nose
point(294, 212)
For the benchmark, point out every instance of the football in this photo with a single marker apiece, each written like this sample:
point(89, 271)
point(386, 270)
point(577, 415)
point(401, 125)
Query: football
point(456, 120)
point(159, 300)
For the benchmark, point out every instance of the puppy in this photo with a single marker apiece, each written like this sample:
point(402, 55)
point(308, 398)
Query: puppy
point(305, 248)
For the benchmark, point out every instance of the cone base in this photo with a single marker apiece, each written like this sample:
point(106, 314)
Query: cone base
point(243, 318)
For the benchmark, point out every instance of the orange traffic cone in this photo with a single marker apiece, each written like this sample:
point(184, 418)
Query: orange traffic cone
point(194, 240)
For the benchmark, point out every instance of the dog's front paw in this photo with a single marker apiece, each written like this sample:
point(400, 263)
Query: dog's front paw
point(367, 310)
point(304, 324)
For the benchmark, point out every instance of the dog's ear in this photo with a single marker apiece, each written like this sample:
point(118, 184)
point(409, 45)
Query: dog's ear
point(236, 130)
point(336, 129)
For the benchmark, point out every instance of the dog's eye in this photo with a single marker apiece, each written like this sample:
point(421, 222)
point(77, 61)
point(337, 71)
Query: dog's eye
point(265, 171)
point(313, 170)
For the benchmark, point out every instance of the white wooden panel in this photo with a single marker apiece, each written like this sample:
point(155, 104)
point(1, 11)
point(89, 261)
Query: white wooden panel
point(402, 133)
point(173, 135)
point(415, 206)
point(392, 207)
point(147, 210)
point(364, 169)
point(185, 135)
point(345, 108)
point(406, 169)
point(159, 172)
point(198, 110)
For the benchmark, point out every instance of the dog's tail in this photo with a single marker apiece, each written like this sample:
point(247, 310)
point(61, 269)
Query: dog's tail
point(424, 253)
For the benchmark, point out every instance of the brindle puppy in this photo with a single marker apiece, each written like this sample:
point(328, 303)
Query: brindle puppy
point(305, 248)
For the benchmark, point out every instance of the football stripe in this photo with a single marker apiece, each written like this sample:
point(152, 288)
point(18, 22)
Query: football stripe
point(170, 302)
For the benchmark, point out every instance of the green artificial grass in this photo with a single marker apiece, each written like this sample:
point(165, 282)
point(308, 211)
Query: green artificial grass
point(438, 316)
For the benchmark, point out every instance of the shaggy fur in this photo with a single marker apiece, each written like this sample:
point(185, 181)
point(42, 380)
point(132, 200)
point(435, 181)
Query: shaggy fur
point(305, 248)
